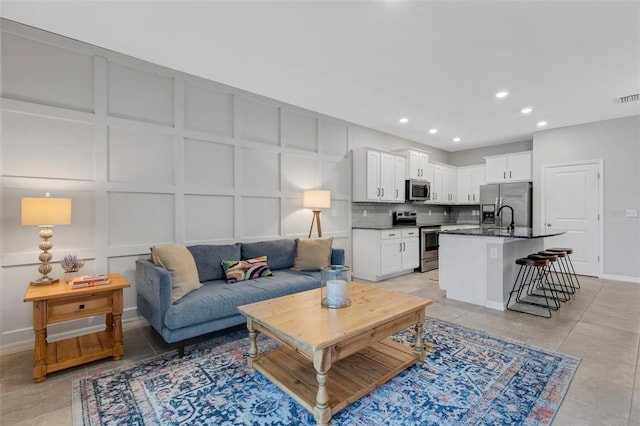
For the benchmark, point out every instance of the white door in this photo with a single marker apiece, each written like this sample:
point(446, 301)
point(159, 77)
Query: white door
point(572, 202)
point(387, 176)
point(390, 256)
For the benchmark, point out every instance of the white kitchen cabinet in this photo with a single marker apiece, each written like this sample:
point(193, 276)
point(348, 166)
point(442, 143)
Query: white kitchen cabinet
point(380, 254)
point(375, 177)
point(508, 168)
point(443, 183)
point(400, 178)
point(417, 164)
point(469, 181)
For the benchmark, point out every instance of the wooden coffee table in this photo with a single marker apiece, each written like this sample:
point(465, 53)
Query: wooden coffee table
point(332, 357)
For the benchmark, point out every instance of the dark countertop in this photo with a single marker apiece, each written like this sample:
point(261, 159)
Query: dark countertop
point(387, 227)
point(519, 232)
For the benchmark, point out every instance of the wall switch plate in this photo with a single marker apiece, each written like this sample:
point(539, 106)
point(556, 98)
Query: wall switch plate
point(390, 212)
point(493, 252)
point(364, 213)
point(429, 212)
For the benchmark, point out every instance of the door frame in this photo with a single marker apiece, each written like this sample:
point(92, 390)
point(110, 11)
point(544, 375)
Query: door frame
point(543, 201)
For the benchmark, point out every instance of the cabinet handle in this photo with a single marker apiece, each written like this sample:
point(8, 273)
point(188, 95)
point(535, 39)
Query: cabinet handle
point(404, 246)
point(468, 197)
point(392, 235)
point(382, 192)
point(397, 193)
point(504, 175)
point(509, 174)
point(400, 247)
point(474, 197)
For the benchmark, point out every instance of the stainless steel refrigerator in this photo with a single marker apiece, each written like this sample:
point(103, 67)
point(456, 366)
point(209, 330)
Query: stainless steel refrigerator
point(516, 195)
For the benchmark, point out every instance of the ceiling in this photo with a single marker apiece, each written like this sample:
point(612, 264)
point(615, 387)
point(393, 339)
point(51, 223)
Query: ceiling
point(437, 63)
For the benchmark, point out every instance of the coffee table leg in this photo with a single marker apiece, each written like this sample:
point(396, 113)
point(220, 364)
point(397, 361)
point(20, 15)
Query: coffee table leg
point(253, 346)
point(322, 364)
point(419, 348)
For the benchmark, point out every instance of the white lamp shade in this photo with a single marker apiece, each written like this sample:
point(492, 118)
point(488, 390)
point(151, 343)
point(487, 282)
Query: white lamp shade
point(46, 211)
point(316, 199)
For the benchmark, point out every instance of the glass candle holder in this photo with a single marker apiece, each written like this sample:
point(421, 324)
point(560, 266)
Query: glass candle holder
point(335, 288)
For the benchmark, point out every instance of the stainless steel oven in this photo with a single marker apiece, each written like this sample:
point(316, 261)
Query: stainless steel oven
point(429, 248)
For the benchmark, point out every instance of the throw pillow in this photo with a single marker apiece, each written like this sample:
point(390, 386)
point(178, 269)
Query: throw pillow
point(241, 270)
point(311, 255)
point(180, 264)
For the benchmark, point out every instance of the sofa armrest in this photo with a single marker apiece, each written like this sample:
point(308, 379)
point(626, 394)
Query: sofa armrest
point(337, 256)
point(153, 284)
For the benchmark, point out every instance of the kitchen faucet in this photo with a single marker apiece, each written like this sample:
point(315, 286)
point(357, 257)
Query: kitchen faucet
point(511, 225)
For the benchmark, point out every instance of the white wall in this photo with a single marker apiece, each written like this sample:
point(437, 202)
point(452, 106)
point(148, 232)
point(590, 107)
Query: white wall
point(148, 156)
point(617, 142)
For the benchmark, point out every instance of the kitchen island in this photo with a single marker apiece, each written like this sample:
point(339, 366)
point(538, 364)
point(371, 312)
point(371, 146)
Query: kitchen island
point(478, 265)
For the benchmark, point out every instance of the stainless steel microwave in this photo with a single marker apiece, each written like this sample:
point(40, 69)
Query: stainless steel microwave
point(417, 190)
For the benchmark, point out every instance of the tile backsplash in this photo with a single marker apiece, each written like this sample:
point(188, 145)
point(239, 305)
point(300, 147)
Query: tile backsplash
point(379, 214)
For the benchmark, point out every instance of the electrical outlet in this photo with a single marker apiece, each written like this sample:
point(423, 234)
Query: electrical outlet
point(390, 212)
point(364, 213)
point(429, 212)
point(493, 252)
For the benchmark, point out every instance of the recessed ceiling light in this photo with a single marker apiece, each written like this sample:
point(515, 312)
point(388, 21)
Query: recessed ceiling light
point(502, 94)
point(456, 139)
point(433, 131)
point(542, 123)
point(526, 110)
point(404, 120)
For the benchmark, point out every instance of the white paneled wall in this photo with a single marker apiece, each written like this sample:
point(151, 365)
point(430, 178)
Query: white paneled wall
point(149, 156)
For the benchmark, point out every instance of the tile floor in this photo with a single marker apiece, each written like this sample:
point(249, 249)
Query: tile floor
point(601, 325)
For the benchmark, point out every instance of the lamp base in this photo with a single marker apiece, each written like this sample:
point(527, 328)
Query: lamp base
point(47, 281)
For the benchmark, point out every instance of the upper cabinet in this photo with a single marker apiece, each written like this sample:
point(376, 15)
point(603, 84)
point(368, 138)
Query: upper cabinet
point(508, 168)
point(443, 183)
point(417, 165)
point(469, 181)
point(378, 176)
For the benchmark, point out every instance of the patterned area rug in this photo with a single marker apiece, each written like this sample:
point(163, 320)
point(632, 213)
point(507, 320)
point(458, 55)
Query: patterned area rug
point(468, 378)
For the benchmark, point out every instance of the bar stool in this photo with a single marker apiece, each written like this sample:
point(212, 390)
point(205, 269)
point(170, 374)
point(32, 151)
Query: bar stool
point(567, 262)
point(560, 290)
point(564, 274)
point(530, 274)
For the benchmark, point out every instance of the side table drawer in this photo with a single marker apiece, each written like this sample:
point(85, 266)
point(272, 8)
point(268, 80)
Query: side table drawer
point(78, 307)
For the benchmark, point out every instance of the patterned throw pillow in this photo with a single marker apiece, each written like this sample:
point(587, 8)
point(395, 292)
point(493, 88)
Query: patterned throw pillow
point(241, 270)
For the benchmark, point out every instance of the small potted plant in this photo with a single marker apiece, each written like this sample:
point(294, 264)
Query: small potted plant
point(71, 266)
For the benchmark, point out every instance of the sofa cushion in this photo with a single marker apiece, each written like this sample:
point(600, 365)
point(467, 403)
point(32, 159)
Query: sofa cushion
point(311, 255)
point(216, 300)
point(180, 264)
point(250, 269)
point(281, 252)
point(209, 256)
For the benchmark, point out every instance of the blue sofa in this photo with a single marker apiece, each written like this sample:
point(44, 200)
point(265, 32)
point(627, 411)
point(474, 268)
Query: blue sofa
point(213, 306)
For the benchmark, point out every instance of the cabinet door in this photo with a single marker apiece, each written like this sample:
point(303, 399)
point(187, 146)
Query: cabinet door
point(373, 175)
point(410, 253)
point(400, 178)
point(496, 168)
point(390, 256)
point(387, 176)
point(436, 185)
point(519, 166)
point(449, 184)
point(414, 165)
point(464, 185)
point(478, 178)
point(422, 164)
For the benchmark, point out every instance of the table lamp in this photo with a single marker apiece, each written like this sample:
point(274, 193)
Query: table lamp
point(316, 200)
point(46, 213)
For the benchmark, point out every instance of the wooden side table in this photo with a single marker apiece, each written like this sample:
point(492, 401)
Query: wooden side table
point(57, 303)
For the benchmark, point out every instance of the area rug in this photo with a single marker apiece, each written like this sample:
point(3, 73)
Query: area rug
point(468, 378)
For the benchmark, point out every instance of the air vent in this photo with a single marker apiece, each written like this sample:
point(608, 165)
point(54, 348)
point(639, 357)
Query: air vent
point(628, 98)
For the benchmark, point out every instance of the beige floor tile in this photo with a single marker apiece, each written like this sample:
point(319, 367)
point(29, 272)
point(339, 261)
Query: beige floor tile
point(575, 413)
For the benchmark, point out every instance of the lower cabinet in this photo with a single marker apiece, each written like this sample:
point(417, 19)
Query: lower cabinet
point(380, 254)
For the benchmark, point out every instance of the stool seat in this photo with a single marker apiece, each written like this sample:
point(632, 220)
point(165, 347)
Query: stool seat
point(531, 261)
point(550, 256)
point(566, 250)
point(553, 253)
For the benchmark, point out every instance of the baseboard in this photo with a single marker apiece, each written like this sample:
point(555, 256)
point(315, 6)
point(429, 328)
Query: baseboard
point(622, 278)
point(494, 305)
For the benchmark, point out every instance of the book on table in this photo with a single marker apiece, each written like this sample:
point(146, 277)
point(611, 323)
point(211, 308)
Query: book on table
point(89, 281)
